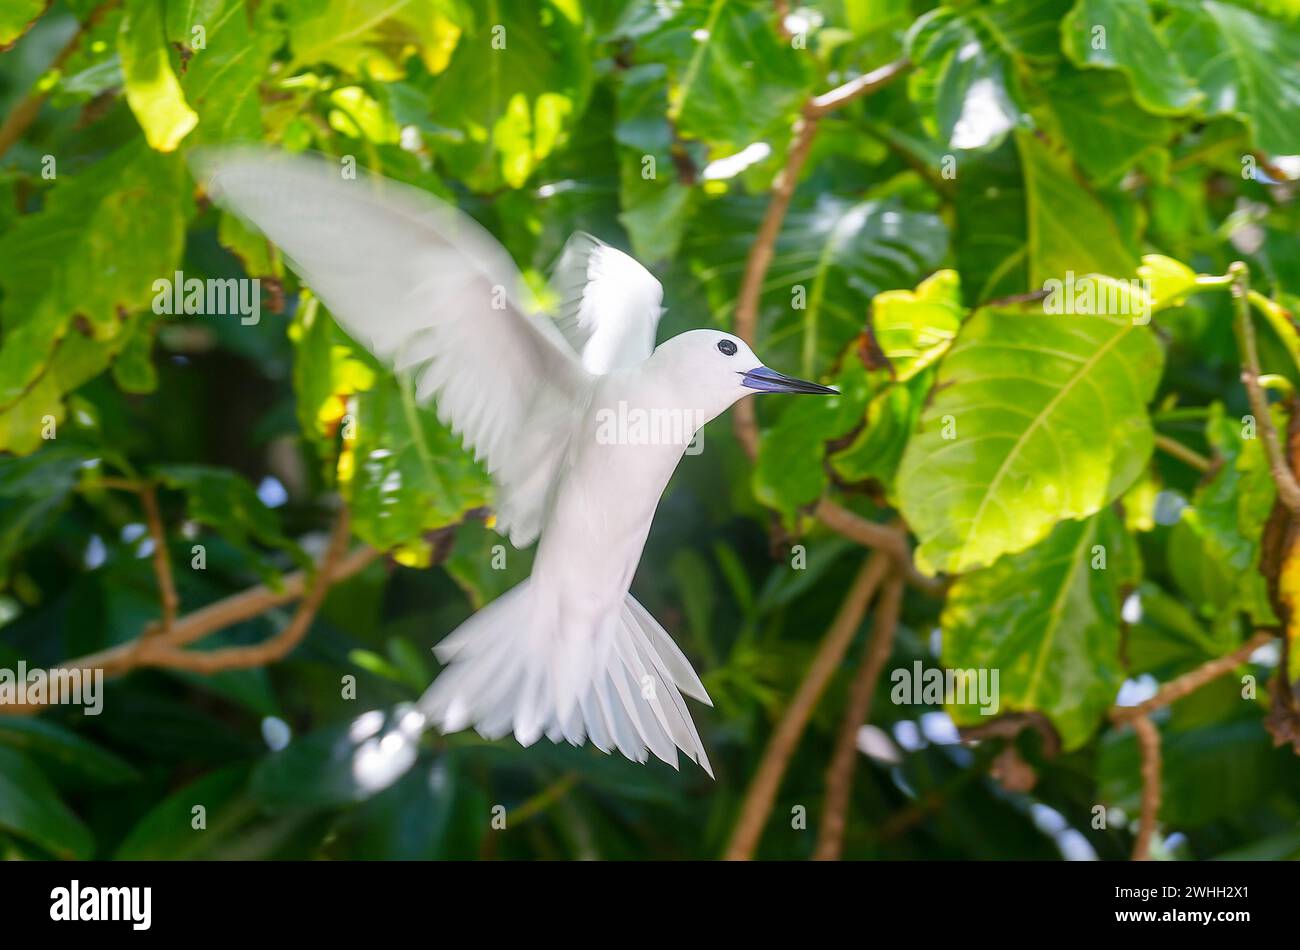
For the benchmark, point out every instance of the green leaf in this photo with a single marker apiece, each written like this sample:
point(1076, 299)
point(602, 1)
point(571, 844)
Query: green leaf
point(992, 226)
point(225, 502)
point(61, 750)
point(404, 473)
point(17, 17)
point(789, 473)
point(1068, 229)
point(831, 257)
point(1121, 34)
point(1105, 129)
point(167, 832)
point(966, 62)
point(1047, 619)
point(514, 87)
point(1247, 65)
point(340, 764)
point(34, 491)
point(1214, 549)
point(1035, 418)
point(152, 90)
point(95, 250)
point(915, 328)
point(31, 809)
point(732, 80)
point(222, 79)
point(375, 37)
point(877, 450)
point(434, 812)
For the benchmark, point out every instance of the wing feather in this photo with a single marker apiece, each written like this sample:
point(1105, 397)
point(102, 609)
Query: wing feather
point(428, 291)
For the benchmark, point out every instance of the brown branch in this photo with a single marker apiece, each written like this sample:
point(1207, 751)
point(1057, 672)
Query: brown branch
point(28, 108)
point(1288, 491)
point(1181, 452)
point(759, 260)
point(891, 539)
point(863, 85)
point(1148, 738)
point(839, 775)
point(162, 567)
point(1192, 680)
point(764, 246)
point(761, 794)
point(200, 623)
point(278, 646)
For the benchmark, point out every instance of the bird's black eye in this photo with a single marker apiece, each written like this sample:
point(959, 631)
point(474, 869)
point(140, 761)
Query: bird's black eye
point(727, 347)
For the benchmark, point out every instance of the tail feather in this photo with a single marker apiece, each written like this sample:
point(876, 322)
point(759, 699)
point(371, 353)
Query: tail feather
point(509, 671)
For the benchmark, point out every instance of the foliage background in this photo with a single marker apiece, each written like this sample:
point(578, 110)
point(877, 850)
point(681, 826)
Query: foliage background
point(1013, 150)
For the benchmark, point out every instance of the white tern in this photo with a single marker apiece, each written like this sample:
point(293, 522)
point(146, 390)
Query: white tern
point(578, 417)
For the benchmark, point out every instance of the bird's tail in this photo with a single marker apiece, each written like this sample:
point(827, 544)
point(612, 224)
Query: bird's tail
point(512, 668)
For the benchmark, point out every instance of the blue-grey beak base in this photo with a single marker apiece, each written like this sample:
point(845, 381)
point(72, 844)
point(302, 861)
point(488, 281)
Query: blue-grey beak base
point(770, 381)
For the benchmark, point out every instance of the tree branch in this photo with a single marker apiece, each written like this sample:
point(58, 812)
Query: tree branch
point(1181, 452)
point(1192, 680)
point(1148, 739)
point(839, 775)
point(162, 567)
point(891, 539)
point(198, 624)
point(278, 646)
point(1288, 491)
point(762, 790)
point(764, 246)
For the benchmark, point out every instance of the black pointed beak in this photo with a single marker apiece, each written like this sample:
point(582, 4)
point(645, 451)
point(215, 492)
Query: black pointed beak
point(770, 381)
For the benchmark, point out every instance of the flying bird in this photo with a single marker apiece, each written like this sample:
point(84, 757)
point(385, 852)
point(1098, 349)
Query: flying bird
point(569, 653)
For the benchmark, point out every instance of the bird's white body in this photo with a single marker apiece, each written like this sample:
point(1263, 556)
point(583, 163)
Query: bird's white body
point(545, 404)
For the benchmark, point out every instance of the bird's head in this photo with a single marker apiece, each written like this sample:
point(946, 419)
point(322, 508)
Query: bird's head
point(715, 369)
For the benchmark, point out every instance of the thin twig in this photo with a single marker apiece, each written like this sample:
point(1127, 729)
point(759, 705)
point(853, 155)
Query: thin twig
point(761, 251)
point(1192, 680)
point(1181, 452)
point(863, 85)
point(200, 623)
point(839, 775)
point(890, 539)
point(162, 567)
point(278, 646)
point(1288, 491)
point(761, 794)
point(1148, 739)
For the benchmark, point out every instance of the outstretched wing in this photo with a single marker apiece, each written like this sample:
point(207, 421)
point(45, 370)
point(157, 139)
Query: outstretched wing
point(427, 290)
point(609, 304)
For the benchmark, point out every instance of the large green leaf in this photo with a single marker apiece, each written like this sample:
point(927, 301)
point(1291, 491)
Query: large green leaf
point(375, 37)
point(167, 832)
point(404, 473)
point(1214, 549)
point(831, 258)
point(225, 502)
point(1105, 129)
point(1035, 418)
point(222, 79)
point(515, 85)
point(1121, 34)
point(1068, 229)
point(105, 235)
point(966, 80)
point(17, 17)
point(1247, 65)
point(62, 751)
point(732, 80)
point(32, 809)
point(152, 90)
point(1047, 620)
